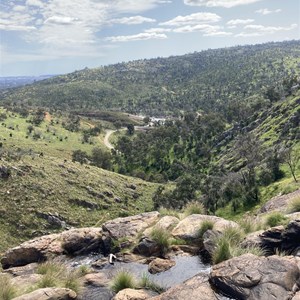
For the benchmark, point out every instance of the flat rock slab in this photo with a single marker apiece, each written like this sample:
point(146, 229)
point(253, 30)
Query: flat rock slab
point(73, 242)
point(255, 278)
point(195, 288)
point(130, 227)
point(49, 294)
point(166, 223)
point(97, 279)
point(188, 228)
point(131, 294)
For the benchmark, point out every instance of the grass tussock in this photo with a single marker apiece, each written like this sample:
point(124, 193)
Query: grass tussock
point(206, 225)
point(58, 275)
point(275, 219)
point(123, 280)
point(149, 284)
point(294, 205)
point(162, 238)
point(194, 207)
point(228, 245)
point(249, 224)
point(168, 212)
point(7, 290)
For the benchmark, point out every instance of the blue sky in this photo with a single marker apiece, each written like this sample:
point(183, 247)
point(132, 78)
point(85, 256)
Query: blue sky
point(60, 36)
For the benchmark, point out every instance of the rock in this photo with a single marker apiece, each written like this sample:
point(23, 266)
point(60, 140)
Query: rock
point(271, 239)
point(25, 270)
point(73, 242)
point(279, 203)
point(252, 239)
point(252, 277)
point(195, 288)
point(129, 226)
point(209, 238)
point(185, 249)
point(166, 223)
point(291, 237)
point(188, 228)
point(49, 294)
point(294, 216)
point(147, 247)
point(97, 279)
point(160, 265)
point(131, 294)
point(297, 296)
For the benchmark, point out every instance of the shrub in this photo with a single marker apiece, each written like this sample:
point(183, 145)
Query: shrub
point(161, 237)
point(294, 205)
point(206, 225)
point(222, 251)
point(194, 207)
point(275, 219)
point(149, 284)
point(7, 290)
point(122, 280)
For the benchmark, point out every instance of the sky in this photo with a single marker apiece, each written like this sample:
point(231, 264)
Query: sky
point(39, 37)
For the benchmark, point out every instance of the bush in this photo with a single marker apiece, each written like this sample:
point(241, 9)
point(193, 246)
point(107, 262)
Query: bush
point(206, 225)
point(222, 251)
point(122, 280)
point(275, 219)
point(147, 283)
point(161, 237)
point(194, 207)
point(7, 290)
point(294, 205)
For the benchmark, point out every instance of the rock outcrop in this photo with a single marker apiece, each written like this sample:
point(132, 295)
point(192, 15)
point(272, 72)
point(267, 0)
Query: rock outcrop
point(166, 223)
point(255, 278)
point(195, 288)
point(160, 265)
point(147, 247)
point(188, 228)
point(129, 227)
point(49, 294)
point(72, 242)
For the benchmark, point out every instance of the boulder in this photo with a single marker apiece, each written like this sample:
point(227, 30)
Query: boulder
point(147, 247)
point(129, 227)
point(209, 244)
point(271, 239)
point(160, 265)
point(291, 237)
point(72, 242)
point(24, 282)
point(166, 223)
point(252, 239)
point(279, 203)
point(99, 279)
point(195, 288)
point(297, 296)
point(24, 270)
point(252, 277)
point(49, 294)
point(187, 229)
point(131, 294)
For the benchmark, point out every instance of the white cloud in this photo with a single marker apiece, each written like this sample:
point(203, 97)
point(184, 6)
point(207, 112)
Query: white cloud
point(61, 20)
point(193, 19)
point(260, 30)
point(218, 33)
point(19, 8)
point(266, 11)
point(239, 22)
point(200, 28)
point(222, 3)
point(136, 37)
point(132, 20)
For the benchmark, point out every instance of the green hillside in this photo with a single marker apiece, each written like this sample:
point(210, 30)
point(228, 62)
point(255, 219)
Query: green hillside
point(212, 80)
point(43, 191)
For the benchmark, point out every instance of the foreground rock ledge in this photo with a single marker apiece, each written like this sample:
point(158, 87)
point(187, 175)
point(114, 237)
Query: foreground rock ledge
point(255, 278)
point(72, 242)
point(195, 288)
point(49, 294)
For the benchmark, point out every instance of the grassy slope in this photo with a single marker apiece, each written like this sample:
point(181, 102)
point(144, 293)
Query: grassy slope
point(52, 182)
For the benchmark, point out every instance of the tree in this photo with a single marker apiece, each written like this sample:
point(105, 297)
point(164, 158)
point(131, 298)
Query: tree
point(130, 129)
point(101, 158)
point(292, 158)
point(80, 156)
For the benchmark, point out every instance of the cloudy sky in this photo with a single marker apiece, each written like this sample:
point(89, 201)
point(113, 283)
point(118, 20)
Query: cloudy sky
point(60, 36)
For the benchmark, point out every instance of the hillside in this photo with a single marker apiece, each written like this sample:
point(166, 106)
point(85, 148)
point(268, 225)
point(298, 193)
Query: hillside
point(43, 191)
point(207, 81)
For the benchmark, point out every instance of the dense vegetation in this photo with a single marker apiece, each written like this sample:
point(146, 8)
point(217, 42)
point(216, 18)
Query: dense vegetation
point(207, 81)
